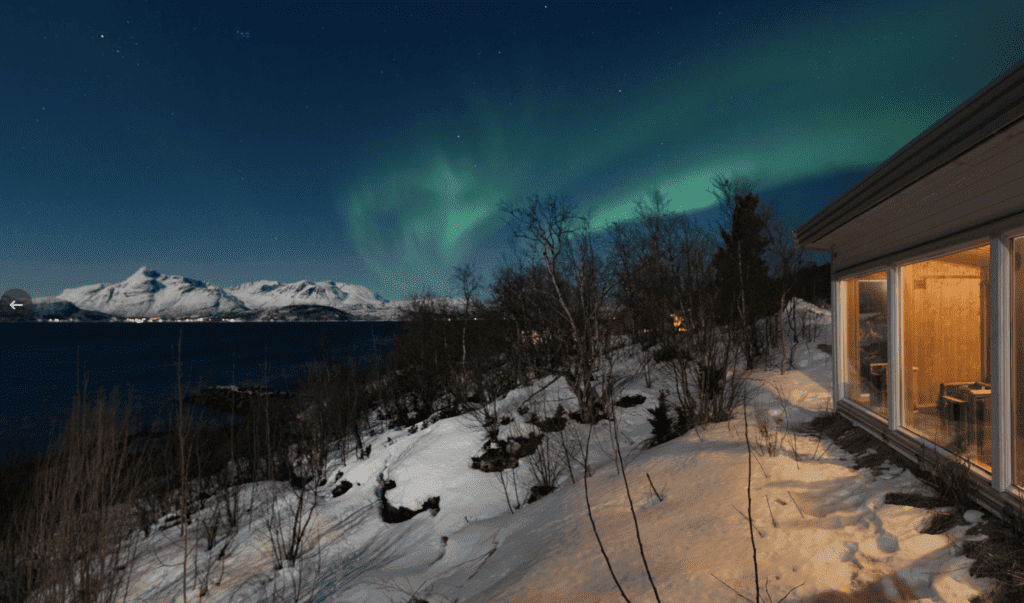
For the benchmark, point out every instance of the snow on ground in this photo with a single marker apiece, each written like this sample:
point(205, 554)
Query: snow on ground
point(820, 524)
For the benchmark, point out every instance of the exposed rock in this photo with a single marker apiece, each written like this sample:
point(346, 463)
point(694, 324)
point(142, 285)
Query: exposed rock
point(630, 401)
point(505, 454)
point(539, 492)
point(391, 514)
point(295, 480)
point(493, 460)
point(341, 488)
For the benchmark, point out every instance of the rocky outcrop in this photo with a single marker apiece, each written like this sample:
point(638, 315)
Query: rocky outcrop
point(392, 514)
point(343, 487)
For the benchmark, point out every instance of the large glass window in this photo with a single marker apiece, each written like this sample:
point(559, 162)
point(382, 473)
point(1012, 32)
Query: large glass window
point(947, 389)
point(867, 342)
point(1017, 365)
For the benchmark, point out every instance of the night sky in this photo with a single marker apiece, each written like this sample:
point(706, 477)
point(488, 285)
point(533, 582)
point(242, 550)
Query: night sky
point(373, 143)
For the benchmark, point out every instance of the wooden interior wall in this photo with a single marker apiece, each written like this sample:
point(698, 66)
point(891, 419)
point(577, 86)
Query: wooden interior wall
point(853, 341)
point(943, 338)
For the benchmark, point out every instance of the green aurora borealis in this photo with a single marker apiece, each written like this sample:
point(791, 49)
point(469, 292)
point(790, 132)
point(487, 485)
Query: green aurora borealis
point(390, 179)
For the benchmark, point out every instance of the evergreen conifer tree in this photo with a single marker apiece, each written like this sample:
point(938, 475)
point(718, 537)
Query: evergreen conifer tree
point(741, 273)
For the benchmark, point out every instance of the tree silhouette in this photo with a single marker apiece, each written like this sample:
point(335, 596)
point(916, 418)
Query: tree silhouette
point(741, 273)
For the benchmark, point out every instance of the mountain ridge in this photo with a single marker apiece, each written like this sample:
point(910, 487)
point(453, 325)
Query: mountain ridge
point(147, 293)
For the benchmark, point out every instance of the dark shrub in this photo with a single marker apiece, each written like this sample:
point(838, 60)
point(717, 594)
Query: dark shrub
point(523, 446)
point(597, 416)
point(285, 472)
point(550, 424)
point(710, 381)
point(670, 352)
point(664, 426)
point(951, 478)
point(446, 413)
point(686, 420)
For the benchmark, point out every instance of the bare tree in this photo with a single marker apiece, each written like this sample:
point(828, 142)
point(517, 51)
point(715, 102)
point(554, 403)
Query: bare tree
point(74, 534)
point(423, 361)
point(700, 355)
point(651, 255)
point(726, 191)
point(470, 283)
point(626, 251)
point(546, 467)
point(787, 260)
point(570, 442)
point(522, 300)
point(177, 478)
point(287, 529)
point(185, 495)
point(581, 281)
point(558, 236)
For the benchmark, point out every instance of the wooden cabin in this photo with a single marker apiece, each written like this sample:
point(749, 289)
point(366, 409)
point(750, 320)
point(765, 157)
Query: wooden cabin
point(928, 291)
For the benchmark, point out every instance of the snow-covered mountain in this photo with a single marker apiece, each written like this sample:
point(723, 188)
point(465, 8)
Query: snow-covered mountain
point(147, 293)
point(261, 295)
point(51, 308)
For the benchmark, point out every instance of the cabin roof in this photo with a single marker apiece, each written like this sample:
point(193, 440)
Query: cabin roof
point(993, 109)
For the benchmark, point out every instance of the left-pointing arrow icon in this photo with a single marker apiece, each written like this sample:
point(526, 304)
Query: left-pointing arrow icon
point(15, 303)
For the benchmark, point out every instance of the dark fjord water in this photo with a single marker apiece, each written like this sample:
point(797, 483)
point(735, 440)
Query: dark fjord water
point(39, 363)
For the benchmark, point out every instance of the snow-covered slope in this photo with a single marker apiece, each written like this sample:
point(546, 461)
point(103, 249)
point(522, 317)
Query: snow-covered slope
point(149, 293)
point(820, 522)
point(260, 295)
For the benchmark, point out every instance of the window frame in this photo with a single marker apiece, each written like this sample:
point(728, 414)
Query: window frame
point(842, 374)
point(935, 254)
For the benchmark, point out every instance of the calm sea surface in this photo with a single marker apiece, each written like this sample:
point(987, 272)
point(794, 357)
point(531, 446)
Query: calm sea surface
point(39, 363)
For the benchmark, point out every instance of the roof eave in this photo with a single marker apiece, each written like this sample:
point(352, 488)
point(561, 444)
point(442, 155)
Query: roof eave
point(992, 109)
